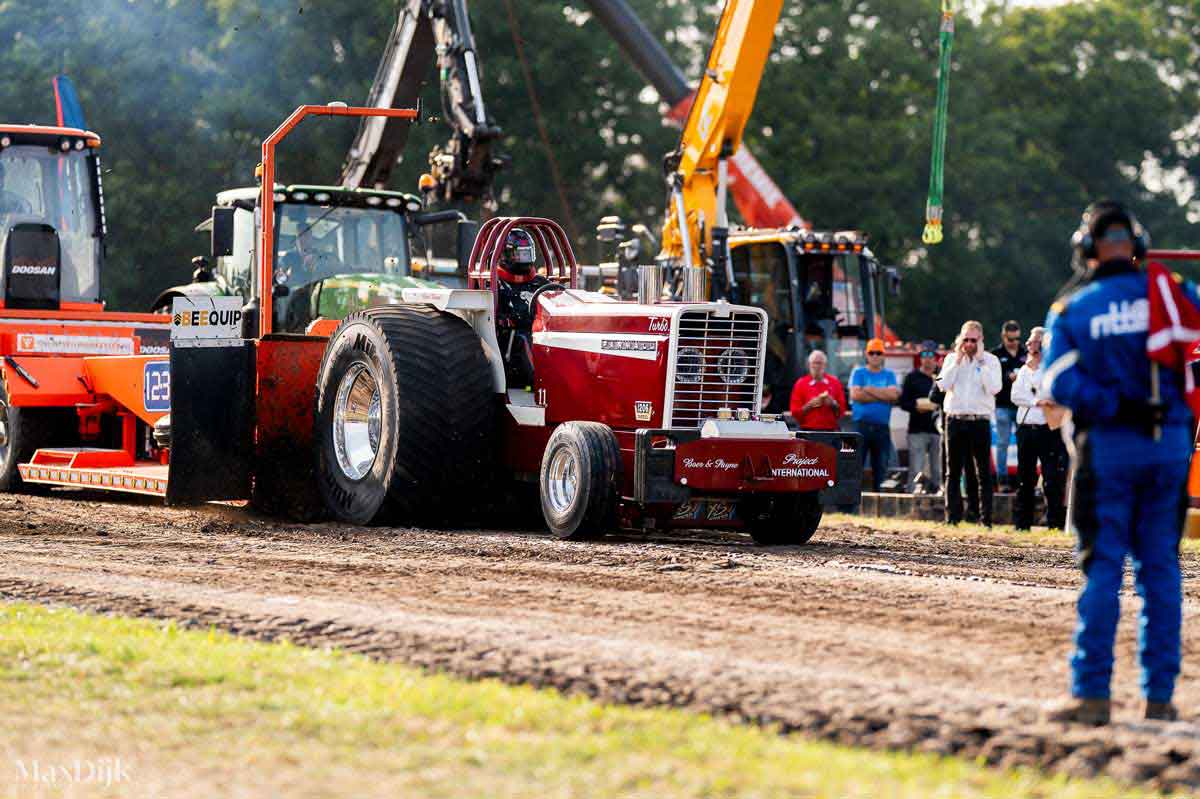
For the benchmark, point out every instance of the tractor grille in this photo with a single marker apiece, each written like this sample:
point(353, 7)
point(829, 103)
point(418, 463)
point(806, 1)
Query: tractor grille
point(717, 365)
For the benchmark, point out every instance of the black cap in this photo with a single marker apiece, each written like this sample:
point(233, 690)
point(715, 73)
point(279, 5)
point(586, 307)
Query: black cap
point(1102, 215)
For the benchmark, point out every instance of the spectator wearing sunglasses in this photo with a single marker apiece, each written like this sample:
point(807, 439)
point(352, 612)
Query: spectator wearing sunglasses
point(1011, 354)
point(971, 378)
point(924, 441)
point(873, 391)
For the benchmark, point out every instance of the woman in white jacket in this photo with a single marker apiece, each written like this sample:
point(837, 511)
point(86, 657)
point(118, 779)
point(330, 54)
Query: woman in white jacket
point(1036, 442)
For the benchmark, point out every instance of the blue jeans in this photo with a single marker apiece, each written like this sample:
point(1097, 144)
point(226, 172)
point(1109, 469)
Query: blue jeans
point(1006, 420)
point(877, 445)
point(1122, 509)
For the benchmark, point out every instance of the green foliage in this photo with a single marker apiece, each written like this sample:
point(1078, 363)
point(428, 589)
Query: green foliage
point(1050, 108)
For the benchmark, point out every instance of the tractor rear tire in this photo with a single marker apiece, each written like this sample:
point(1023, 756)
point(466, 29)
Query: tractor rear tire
point(413, 441)
point(22, 432)
point(782, 519)
point(580, 480)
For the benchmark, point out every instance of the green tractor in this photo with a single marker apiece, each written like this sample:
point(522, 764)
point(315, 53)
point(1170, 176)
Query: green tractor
point(338, 251)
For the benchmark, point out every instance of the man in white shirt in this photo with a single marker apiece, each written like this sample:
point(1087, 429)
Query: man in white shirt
point(1037, 442)
point(970, 377)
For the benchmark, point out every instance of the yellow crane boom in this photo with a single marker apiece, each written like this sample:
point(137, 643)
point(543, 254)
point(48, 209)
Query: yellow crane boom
point(696, 225)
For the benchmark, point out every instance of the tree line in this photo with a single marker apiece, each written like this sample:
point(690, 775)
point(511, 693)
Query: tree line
point(1050, 108)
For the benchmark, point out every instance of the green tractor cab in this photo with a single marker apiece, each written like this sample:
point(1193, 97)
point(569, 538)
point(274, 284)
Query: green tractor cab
point(338, 250)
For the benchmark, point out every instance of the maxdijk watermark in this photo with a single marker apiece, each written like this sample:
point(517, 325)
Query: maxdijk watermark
point(100, 771)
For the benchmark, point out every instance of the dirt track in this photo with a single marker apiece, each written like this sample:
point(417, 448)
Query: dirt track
point(886, 639)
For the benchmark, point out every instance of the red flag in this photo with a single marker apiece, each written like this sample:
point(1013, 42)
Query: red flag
point(1174, 329)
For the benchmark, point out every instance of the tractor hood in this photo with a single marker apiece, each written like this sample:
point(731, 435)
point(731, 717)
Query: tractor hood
point(339, 296)
point(670, 365)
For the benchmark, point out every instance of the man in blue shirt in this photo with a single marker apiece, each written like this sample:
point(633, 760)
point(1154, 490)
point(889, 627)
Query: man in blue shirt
point(873, 390)
point(1131, 461)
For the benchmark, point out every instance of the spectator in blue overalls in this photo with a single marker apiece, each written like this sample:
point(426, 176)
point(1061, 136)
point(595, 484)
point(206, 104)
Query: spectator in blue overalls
point(1131, 460)
point(873, 390)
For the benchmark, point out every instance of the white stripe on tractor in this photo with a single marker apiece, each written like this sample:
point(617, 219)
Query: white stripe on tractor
point(594, 342)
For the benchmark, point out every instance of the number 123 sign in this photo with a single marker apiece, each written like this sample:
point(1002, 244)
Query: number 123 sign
point(156, 386)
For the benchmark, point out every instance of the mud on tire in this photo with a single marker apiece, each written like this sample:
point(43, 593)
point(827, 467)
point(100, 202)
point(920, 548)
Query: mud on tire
point(413, 439)
point(782, 519)
point(580, 480)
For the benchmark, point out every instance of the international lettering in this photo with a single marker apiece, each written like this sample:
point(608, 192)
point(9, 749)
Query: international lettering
point(794, 473)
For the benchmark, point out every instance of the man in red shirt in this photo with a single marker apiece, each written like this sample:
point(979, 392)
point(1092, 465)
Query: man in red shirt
point(817, 399)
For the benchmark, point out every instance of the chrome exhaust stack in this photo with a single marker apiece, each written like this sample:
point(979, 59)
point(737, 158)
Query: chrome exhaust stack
point(650, 283)
point(695, 284)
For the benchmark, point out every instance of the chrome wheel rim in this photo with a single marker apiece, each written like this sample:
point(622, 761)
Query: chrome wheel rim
point(562, 480)
point(357, 422)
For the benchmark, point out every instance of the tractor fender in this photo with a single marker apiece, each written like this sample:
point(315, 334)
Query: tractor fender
point(475, 307)
point(206, 289)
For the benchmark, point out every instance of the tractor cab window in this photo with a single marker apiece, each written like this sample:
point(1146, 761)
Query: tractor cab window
point(331, 260)
point(817, 283)
point(849, 304)
point(832, 291)
point(315, 243)
point(47, 186)
point(848, 291)
point(761, 272)
point(834, 310)
point(763, 280)
point(235, 272)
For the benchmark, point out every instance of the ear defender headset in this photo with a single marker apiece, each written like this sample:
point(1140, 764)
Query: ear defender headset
point(1101, 215)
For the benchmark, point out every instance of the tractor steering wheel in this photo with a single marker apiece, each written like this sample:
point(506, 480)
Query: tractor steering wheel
point(537, 292)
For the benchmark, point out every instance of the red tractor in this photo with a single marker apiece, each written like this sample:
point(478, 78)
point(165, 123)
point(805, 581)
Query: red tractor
point(624, 414)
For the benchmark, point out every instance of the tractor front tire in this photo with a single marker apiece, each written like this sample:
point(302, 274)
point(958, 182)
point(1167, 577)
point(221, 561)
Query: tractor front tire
point(580, 480)
point(22, 432)
point(404, 417)
point(782, 519)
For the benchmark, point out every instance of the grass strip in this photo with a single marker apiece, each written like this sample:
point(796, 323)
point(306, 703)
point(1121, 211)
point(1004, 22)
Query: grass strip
point(1040, 537)
point(194, 713)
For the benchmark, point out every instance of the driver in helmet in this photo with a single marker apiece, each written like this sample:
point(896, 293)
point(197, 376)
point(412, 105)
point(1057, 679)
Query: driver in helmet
point(519, 281)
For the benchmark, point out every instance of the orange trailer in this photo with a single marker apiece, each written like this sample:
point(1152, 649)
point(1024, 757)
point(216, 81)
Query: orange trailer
point(90, 398)
point(61, 394)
